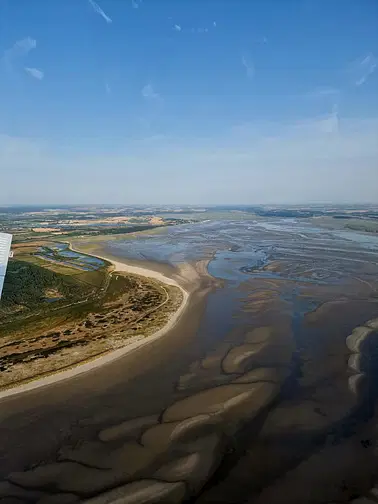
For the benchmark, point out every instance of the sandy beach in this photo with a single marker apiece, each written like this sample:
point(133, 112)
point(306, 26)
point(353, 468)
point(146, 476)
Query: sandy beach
point(187, 274)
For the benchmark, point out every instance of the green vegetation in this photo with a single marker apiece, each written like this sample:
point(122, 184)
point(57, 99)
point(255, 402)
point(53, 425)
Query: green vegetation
point(22, 236)
point(56, 266)
point(36, 297)
point(27, 286)
point(96, 231)
point(96, 278)
point(364, 225)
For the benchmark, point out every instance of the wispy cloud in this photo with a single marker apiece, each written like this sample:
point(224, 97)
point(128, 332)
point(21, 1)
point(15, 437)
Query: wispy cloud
point(98, 9)
point(149, 93)
point(25, 45)
point(177, 27)
point(136, 3)
point(34, 72)
point(107, 88)
point(20, 49)
point(199, 30)
point(249, 66)
point(363, 68)
point(322, 92)
point(214, 24)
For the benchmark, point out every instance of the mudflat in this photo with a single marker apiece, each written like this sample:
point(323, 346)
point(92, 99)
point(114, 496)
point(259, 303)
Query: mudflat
point(263, 391)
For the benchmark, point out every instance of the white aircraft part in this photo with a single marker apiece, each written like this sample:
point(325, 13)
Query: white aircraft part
point(5, 245)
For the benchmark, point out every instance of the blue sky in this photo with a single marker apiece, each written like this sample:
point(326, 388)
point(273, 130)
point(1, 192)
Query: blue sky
point(188, 101)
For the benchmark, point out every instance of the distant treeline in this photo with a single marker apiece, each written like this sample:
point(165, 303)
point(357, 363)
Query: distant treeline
point(316, 211)
point(294, 213)
point(313, 213)
point(90, 231)
point(110, 231)
point(364, 226)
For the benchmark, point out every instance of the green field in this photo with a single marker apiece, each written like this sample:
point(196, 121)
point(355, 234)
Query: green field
point(366, 226)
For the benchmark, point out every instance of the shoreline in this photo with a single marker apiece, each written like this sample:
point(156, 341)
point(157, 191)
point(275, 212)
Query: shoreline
point(111, 356)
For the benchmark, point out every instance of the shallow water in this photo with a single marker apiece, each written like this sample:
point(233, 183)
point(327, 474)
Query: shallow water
point(308, 265)
point(76, 259)
point(242, 250)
